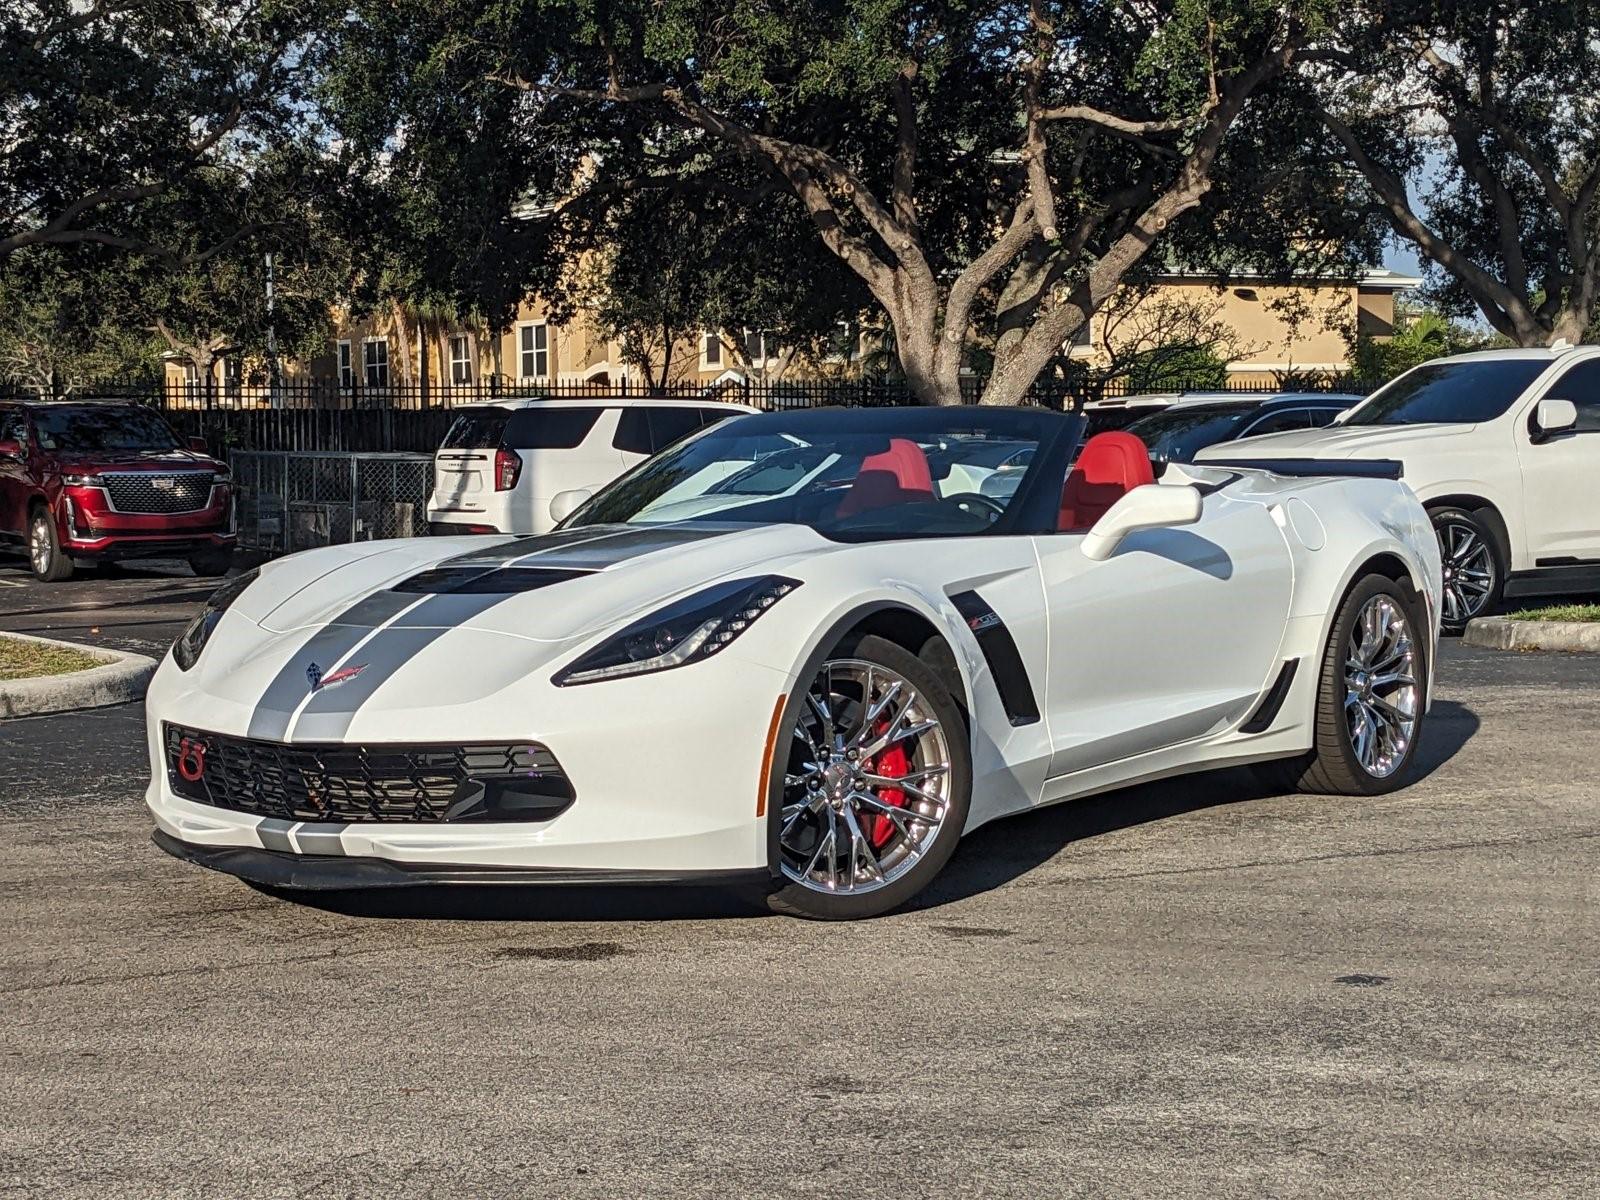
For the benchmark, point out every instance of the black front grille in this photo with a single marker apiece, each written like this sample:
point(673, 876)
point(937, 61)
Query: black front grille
point(158, 492)
point(518, 781)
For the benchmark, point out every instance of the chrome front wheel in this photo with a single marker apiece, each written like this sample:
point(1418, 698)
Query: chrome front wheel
point(875, 792)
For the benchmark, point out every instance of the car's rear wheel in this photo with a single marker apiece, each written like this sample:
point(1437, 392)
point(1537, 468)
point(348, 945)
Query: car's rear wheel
point(45, 556)
point(877, 785)
point(211, 564)
point(1474, 576)
point(1369, 698)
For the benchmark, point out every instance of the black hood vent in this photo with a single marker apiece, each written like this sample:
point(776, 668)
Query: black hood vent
point(484, 581)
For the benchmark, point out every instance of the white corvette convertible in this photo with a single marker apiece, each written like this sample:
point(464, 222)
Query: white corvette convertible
point(818, 675)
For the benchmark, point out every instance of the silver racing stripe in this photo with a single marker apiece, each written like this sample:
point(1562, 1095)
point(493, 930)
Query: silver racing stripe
point(274, 834)
point(319, 839)
point(330, 648)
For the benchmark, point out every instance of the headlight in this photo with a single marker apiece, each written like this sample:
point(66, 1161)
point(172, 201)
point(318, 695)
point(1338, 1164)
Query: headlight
point(186, 650)
point(81, 480)
point(222, 476)
point(690, 630)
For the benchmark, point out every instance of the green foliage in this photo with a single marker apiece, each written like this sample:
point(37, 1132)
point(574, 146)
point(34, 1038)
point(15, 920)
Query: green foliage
point(1419, 337)
point(1496, 128)
point(1182, 369)
point(453, 111)
point(108, 106)
point(58, 324)
point(672, 265)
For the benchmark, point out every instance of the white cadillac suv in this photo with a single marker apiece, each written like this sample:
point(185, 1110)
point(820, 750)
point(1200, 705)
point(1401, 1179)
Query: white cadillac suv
point(1503, 449)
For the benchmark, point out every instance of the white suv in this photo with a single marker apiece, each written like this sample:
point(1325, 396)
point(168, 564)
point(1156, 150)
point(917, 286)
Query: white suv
point(502, 465)
point(1502, 447)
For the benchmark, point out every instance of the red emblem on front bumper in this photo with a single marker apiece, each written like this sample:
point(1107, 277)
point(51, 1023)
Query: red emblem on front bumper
point(191, 759)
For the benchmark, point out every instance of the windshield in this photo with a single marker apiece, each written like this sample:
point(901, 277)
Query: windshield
point(95, 428)
point(849, 474)
point(1177, 434)
point(1441, 393)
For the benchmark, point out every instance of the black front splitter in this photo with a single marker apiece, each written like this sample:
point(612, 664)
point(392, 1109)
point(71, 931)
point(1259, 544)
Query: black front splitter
point(334, 872)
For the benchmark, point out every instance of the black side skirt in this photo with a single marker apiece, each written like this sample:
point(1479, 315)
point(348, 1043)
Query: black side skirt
point(320, 872)
point(1555, 578)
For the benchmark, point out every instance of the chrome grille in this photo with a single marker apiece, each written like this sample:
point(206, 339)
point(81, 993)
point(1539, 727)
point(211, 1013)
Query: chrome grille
point(157, 491)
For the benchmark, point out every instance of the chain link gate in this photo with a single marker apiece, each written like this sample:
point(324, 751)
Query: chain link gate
point(295, 500)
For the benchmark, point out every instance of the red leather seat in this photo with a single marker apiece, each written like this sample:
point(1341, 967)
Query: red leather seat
point(899, 475)
point(1111, 465)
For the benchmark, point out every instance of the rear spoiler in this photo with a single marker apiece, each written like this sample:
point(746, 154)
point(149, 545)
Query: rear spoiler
point(1361, 468)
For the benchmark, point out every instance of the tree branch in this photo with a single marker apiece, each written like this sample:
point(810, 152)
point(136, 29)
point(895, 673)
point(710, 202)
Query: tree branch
point(1507, 312)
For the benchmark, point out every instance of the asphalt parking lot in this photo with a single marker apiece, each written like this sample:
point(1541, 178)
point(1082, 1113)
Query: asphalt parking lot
point(1185, 989)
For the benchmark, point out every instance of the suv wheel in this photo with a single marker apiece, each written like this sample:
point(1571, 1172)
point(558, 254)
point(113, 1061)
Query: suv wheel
point(49, 564)
point(1474, 576)
point(211, 564)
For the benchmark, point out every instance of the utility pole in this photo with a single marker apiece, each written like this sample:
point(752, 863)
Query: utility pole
point(272, 343)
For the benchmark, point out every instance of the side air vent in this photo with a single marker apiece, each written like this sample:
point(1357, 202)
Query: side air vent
point(484, 581)
point(1001, 653)
point(1267, 711)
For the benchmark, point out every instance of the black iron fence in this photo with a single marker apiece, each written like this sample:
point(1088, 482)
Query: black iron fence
point(322, 415)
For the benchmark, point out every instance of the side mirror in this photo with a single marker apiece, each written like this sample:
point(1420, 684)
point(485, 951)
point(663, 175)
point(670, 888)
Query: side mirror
point(1553, 417)
point(10, 448)
point(1153, 506)
point(198, 445)
point(566, 503)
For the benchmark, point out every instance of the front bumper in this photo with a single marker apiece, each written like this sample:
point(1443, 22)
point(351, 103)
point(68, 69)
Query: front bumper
point(666, 768)
point(90, 528)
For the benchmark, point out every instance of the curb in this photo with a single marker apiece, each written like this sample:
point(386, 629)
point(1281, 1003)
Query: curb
point(123, 678)
point(1502, 633)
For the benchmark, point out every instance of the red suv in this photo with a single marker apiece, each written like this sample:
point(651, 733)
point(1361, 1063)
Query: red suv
point(84, 482)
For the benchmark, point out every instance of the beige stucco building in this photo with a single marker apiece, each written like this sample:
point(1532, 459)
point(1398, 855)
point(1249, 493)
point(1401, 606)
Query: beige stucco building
point(1271, 329)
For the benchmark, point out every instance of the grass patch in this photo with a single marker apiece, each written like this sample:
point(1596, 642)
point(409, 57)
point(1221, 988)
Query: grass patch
point(1558, 612)
point(30, 660)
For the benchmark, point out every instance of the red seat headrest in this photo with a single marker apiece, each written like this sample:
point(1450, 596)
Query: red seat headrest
point(899, 475)
point(1111, 465)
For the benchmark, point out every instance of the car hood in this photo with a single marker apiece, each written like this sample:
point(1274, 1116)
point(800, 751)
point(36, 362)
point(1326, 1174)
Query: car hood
point(1337, 441)
point(554, 587)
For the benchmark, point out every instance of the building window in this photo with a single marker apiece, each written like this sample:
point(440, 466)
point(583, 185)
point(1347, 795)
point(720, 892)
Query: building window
point(760, 347)
point(710, 350)
point(1083, 336)
point(375, 362)
point(460, 359)
point(533, 350)
point(347, 371)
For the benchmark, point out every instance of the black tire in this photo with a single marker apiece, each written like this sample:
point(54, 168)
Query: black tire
point(45, 557)
point(1333, 767)
point(1470, 548)
point(797, 899)
point(211, 564)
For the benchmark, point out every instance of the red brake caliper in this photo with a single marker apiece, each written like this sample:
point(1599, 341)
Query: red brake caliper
point(891, 764)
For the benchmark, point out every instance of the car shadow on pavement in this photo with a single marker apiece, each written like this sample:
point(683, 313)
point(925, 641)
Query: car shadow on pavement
point(1007, 849)
point(535, 904)
point(993, 856)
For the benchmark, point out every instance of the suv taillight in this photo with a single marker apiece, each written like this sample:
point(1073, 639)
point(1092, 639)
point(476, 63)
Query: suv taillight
point(507, 466)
